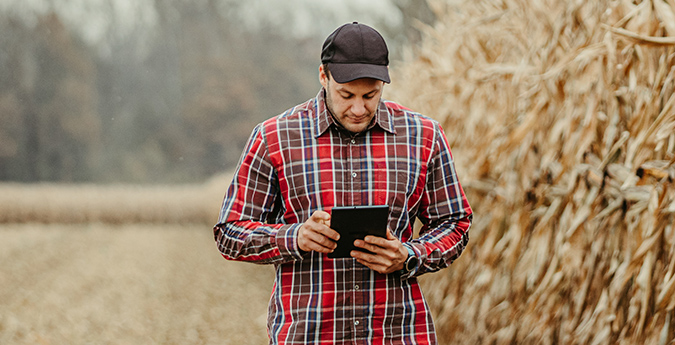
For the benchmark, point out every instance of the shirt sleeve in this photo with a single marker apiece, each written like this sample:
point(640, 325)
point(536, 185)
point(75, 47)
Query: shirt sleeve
point(243, 232)
point(444, 212)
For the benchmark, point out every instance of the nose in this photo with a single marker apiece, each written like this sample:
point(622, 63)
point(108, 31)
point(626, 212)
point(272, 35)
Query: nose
point(359, 107)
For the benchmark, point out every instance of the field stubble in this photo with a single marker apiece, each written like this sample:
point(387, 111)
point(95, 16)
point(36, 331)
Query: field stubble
point(126, 284)
point(112, 204)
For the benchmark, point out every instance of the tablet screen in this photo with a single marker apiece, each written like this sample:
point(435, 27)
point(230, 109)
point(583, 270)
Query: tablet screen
point(356, 222)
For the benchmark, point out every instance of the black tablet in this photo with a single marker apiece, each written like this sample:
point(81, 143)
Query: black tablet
point(357, 222)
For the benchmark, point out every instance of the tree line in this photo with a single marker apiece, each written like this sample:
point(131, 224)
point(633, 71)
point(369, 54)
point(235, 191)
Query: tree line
point(171, 103)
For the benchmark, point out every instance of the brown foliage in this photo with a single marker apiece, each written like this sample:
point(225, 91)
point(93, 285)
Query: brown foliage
point(49, 126)
point(561, 118)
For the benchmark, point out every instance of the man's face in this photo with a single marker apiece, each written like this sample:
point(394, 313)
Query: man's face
point(352, 104)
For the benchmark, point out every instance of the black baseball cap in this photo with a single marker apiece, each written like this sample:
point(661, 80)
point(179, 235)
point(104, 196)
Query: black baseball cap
point(355, 51)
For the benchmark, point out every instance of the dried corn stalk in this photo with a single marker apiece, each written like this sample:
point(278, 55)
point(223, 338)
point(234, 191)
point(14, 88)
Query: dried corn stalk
point(561, 116)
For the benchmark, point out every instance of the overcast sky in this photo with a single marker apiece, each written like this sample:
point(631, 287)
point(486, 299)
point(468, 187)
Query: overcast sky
point(301, 15)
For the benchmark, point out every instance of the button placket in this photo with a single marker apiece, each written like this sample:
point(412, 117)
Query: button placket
point(353, 174)
point(352, 141)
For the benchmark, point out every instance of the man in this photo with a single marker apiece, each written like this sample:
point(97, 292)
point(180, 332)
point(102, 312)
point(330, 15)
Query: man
point(346, 147)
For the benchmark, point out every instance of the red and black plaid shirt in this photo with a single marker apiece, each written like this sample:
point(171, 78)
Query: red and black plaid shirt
point(302, 161)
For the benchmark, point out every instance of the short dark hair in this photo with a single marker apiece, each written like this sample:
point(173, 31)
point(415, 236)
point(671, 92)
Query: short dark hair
point(326, 70)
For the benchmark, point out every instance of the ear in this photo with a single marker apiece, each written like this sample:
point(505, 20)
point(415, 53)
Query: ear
point(323, 78)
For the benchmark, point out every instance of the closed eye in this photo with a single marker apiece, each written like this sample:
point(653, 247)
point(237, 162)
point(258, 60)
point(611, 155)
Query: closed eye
point(346, 95)
point(349, 95)
point(370, 95)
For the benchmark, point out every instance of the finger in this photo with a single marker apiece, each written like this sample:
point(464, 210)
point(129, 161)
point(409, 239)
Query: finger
point(375, 257)
point(324, 230)
point(375, 266)
point(309, 245)
point(388, 237)
point(321, 240)
point(320, 216)
point(366, 258)
point(368, 246)
point(321, 224)
point(315, 235)
point(330, 233)
point(315, 247)
point(386, 244)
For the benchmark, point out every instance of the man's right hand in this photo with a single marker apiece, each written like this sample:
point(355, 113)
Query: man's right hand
point(316, 235)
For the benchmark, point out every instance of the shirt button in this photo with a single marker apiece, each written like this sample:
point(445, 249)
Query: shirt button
point(354, 175)
point(356, 323)
point(356, 287)
point(353, 141)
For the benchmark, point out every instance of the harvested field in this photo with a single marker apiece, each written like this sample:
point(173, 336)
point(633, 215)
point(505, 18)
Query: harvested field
point(112, 204)
point(126, 284)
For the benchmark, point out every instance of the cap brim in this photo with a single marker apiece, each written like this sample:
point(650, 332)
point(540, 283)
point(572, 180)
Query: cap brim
point(344, 73)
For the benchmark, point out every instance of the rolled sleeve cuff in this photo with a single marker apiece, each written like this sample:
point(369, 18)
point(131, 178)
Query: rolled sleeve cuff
point(287, 242)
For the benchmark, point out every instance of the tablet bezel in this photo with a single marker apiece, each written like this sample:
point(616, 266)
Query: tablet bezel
point(357, 222)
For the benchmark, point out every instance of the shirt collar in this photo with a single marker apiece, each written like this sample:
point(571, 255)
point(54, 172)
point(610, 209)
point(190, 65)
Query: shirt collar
point(325, 119)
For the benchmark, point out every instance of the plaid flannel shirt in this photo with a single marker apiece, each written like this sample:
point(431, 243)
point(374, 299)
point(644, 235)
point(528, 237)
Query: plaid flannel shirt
point(302, 161)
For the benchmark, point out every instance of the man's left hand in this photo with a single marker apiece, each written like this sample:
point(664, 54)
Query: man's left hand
point(388, 256)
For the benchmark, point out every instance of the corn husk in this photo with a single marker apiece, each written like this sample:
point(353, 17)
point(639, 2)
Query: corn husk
point(561, 117)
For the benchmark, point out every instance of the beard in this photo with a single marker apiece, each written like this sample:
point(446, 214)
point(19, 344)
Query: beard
point(331, 109)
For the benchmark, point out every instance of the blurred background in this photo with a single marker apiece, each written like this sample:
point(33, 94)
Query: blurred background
point(120, 121)
point(160, 91)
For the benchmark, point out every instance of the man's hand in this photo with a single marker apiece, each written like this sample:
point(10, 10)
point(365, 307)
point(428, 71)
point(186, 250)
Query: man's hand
point(388, 256)
point(316, 235)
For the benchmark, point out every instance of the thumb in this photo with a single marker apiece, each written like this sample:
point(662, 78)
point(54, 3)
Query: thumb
point(391, 236)
point(320, 216)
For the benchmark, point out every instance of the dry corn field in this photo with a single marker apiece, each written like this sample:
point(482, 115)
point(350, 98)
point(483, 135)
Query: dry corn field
point(562, 121)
